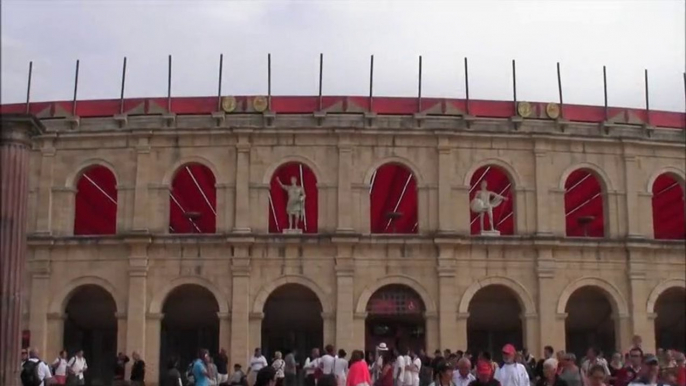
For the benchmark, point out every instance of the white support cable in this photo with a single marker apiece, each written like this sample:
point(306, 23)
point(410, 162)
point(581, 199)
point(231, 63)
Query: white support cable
point(207, 200)
point(371, 183)
point(302, 186)
point(100, 189)
point(415, 226)
point(271, 206)
point(578, 183)
point(501, 213)
point(184, 211)
point(397, 205)
point(582, 204)
point(479, 180)
point(665, 189)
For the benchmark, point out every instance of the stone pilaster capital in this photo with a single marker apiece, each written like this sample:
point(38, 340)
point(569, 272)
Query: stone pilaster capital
point(260, 186)
point(345, 271)
point(328, 315)
point(57, 316)
point(119, 315)
point(462, 315)
point(256, 316)
point(445, 272)
point(154, 316)
point(224, 315)
point(645, 194)
point(561, 316)
point(360, 315)
point(240, 270)
point(651, 316)
point(545, 272)
point(18, 129)
point(63, 189)
point(431, 315)
point(528, 316)
point(620, 317)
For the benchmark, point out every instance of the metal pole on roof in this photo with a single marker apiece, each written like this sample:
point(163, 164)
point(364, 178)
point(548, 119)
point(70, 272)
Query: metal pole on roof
point(514, 84)
point(169, 83)
point(647, 97)
point(371, 83)
point(466, 84)
point(269, 82)
point(219, 91)
point(605, 89)
point(419, 93)
point(123, 83)
point(559, 89)
point(76, 88)
point(28, 88)
point(321, 72)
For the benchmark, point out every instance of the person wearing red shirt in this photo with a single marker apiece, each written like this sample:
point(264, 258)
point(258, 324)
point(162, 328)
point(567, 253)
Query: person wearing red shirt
point(680, 369)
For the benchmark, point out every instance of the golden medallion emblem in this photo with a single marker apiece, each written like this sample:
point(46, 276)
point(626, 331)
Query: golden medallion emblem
point(260, 104)
point(524, 109)
point(228, 104)
point(552, 110)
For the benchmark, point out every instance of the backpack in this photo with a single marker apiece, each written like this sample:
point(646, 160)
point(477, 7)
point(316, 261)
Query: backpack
point(189, 374)
point(29, 374)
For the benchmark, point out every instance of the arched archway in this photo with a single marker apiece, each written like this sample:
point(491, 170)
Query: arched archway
point(669, 209)
point(193, 200)
point(300, 175)
point(91, 326)
point(395, 316)
point(292, 321)
point(495, 319)
point(670, 323)
point(190, 322)
point(584, 204)
point(590, 321)
point(393, 203)
point(95, 207)
point(496, 180)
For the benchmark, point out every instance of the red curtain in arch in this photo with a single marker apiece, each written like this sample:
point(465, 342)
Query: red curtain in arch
point(278, 218)
point(498, 182)
point(193, 200)
point(96, 202)
point(584, 201)
point(393, 189)
point(669, 213)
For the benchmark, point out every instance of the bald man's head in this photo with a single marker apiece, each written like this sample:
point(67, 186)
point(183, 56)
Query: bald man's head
point(33, 353)
point(464, 366)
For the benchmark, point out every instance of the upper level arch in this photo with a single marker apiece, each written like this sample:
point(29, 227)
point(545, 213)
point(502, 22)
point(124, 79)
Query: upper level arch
point(606, 183)
point(193, 200)
point(393, 200)
point(271, 286)
point(617, 300)
point(74, 177)
point(95, 200)
point(300, 159)
point(677, 173)
point(503, 165)
point(178, 166)
point(398, 160)
point(585, 202)
point(59, 301)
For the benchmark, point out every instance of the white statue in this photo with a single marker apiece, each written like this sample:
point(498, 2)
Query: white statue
point(483, 204)
point(295, 207)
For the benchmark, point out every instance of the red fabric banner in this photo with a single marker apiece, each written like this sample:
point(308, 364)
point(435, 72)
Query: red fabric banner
point(669, 212)
point(96, 202)
point(584, 201)
point(497, 182)
point(193, 200)
point(278, 218)
point(393, 189)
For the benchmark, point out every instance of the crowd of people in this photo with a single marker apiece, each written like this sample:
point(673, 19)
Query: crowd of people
point(383, 367)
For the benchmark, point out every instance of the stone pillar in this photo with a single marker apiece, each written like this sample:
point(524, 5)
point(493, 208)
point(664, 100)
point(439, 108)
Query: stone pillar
point(329, 328)
point(121, 331)
point(224, 329)
point(345, 306)
point(153, 328)
point(16, 131)
point(552, 331)
point(623, 331)
point(649, 339)
point(44, 211)
point(141, 205)
point(461, 329)
point(639, 292)
point(462, 212)
point(40, 296)
point(446, 214)
point(242, 223)
point(136, 304)
point(432, 333)
point(55, 332)
point(359, 330)
point(240, 306)
point(543, 178)
point(645, 207)
point(447, 306)
point(225, 207)
point(530, 333)
point(345, 165)
point(633, 213)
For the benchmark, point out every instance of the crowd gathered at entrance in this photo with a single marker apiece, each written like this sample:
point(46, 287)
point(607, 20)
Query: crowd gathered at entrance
point(383, 366)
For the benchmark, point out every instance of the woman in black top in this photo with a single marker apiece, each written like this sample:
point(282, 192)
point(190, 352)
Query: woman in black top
point(172, 377)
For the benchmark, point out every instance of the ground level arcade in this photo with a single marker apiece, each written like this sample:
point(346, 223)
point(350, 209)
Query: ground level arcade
point(173, 295)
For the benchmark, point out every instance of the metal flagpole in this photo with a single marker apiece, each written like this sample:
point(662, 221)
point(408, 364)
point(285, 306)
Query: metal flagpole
point(28, 88)
point(169, 77)
point(647, 98)
point(269, 82)
point(559, 89)
point(219, 91)
point(76, 87)
point(514, 85)
point(605, 90)
point(371, 84)
point(419, 93)
point(123, 83)
point(466, 84)
point(321, 72)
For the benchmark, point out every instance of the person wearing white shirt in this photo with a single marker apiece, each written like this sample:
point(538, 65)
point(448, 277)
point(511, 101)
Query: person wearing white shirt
point(256, 363)
point(340, 368)
point(42, 370)
point(511, 373)
point(77, 366)
point(463, 376)
point(407, 374)
point(310, 367)
point(399, 370)
point(60, 367)
point(327, 360)
point(415, 368)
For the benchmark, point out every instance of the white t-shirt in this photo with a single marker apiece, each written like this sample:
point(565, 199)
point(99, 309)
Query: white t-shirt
point(326, 364)
point(257, 363)
point(78, 366)
point(311, 365)
point(415, 372)
point(60, 366)
point(340, 368)
point(512, 374)
point(407, 374)
point(43, 370)
point(399, 368)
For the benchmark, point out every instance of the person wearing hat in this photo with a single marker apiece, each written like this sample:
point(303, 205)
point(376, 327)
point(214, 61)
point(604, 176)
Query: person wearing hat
point(484, 373)
point(650, 373)
point(444, 375)
point(511, 373)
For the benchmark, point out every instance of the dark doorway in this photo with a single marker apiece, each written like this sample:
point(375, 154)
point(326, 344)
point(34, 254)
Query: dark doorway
point(395, 316)
point(589, 322)
point(494, 320)
point(670, 324)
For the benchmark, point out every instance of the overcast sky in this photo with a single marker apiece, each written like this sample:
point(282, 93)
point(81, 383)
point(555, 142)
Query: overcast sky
point(627, 36)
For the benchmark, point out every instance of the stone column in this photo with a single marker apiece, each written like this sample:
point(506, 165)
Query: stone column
point(141, 205)
point(530, 332)
point(121, 331)
point(447, 306)
point(242, 222)
point(623, 331)
point(16, 131)
point(153, 328)
point(345, 306)
point(345, 165)
point(461, 329)
point(542, 207)
point(446, 212)
point(240, 306)
point(633, 213)
point(649, 342)
point(552, 331)
point(639, 291)
point(136, 305)
point(224, 329)
point(462, 212)
point(432, 333)
point(359, 329)
point(40, 296)
point(44, 211)
point(329, 328)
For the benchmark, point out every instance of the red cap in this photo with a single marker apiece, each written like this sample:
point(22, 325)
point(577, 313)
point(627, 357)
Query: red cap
point(484, 368)
point(509, 349)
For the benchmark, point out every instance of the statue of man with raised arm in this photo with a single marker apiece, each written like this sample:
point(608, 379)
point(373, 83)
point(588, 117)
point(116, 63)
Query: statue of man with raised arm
point(295, 207)
point(483, 203)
